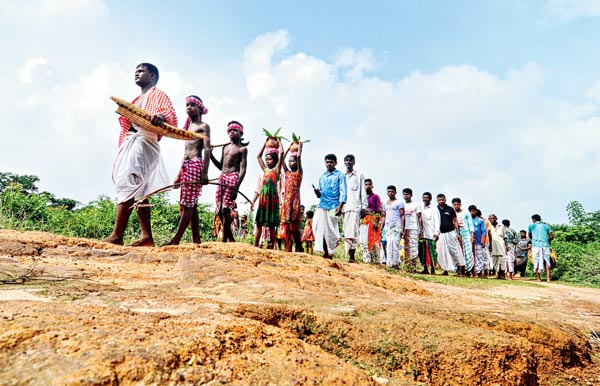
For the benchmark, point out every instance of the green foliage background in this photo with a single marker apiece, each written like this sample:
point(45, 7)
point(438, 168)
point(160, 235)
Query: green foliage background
point(23, 207)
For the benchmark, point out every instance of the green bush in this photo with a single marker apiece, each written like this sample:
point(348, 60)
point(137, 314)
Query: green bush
point(577, 263)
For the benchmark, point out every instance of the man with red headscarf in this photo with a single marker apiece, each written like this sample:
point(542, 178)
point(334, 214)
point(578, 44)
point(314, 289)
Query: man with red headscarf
point(138, 168)
point(193, 173)
point(233, 170)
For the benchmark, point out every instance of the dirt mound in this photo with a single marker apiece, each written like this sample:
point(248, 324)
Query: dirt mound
point(81, 312)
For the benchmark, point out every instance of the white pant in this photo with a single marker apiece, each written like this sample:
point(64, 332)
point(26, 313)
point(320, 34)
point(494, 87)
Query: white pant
point(325, 226)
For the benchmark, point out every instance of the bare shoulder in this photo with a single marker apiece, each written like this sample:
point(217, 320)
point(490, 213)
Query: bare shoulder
point(201, 128)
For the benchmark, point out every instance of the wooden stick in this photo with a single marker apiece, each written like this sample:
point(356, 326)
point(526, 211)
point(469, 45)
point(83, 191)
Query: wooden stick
point(139, 202)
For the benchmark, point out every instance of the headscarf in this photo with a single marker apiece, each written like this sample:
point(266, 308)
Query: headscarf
point(235, 126)
point(192, 99)
point(271, 150)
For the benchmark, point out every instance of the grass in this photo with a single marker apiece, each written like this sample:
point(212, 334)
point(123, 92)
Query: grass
point(473, 283)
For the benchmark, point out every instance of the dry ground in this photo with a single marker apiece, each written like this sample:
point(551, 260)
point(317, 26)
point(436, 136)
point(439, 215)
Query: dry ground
point(81, 312)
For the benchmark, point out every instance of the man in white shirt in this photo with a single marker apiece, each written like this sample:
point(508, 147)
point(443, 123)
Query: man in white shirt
point(394, 211)
point(356, 203)
point(430, 233)
point(411, 226)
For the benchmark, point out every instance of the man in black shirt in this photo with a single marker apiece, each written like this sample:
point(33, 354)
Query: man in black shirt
point(448, 246)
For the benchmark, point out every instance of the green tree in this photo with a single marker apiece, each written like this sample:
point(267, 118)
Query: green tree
point(28, 183)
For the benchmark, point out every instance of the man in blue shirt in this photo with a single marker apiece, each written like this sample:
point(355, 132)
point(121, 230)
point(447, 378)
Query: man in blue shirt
point(332, 195)
point(541, 236)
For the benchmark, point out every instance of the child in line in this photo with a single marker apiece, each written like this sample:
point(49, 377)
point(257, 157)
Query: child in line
point(308, 236)
point(267, 214)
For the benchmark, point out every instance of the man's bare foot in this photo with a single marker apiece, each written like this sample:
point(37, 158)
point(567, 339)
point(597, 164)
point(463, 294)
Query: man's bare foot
point(114, 240)
point(538, 280)
point(143, 243)
point(169, 243)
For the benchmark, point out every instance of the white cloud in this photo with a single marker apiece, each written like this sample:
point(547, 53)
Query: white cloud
point(567, 10)
point(26, 71)
point(496, 141)
point(32, 12)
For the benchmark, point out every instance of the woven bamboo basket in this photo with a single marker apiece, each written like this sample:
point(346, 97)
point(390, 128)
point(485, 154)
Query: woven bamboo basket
point(142, 118)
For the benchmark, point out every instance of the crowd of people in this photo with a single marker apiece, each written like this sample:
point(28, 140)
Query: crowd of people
point(399, 233)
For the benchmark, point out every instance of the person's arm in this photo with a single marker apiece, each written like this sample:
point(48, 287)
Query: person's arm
point(364, 203)
point(402, 220)
point(207, 154)
point(469, 222)
point(420, 220)
point(280, 158)
point(218, 164)
point(550, 237)
point(243, 165)
point(260, 156)
point(457, 228)
point(299, 159)
point(436, 224)
point(285, 167)
point(343, 193)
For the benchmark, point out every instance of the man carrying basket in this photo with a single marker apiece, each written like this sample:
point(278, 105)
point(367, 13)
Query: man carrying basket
point(138, 168)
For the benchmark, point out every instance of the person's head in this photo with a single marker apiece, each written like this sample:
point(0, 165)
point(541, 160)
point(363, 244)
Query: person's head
point(349, 162)
point(271, 160)
point(493, 219)
point(368, 185)
point(301, 208)
point(235, 130)
point(194, 106)
point(310, 214)
point(456, 204)
point(244, 217)
point(523, 233)
point(330, 162)
point(506, 223)
point(293, 163)
point(407, 194)
point(391, 192)
point(536, 218)
point(473, 210)
point(441, 199)
point(479, 214)
point(146, 75)
point(426, 198)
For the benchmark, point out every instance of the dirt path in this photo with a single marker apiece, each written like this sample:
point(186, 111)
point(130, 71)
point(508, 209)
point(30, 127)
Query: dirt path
point(90, 313)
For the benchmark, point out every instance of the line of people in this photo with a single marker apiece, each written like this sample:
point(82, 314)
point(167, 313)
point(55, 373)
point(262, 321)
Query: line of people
point(459, 241)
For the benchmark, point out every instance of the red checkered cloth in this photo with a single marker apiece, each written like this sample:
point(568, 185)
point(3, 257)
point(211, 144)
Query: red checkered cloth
point(155, 102)
point(191, 170)
point(224, 194)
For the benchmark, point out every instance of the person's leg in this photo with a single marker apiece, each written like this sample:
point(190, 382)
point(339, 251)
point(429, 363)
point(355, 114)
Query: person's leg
point(272, 237)
point(326, 250)
point(297, 237)
point(143, 215)
point(227, 232)
point(184, 220)
point(257, 235)
point(124, 210)
point(195, 225)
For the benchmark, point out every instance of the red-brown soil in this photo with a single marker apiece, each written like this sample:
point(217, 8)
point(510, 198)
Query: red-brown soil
point(82, 312)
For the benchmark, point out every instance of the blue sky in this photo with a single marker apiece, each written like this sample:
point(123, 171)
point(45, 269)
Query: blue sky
point(493, 101)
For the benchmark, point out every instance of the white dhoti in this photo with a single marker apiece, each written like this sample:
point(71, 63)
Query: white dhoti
point(138, 168)
point(393, 246)
point(487, 256)
point(325, 227)
point(541, 258)
point(351, 226)
point(449, 252)
point(510, 260)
